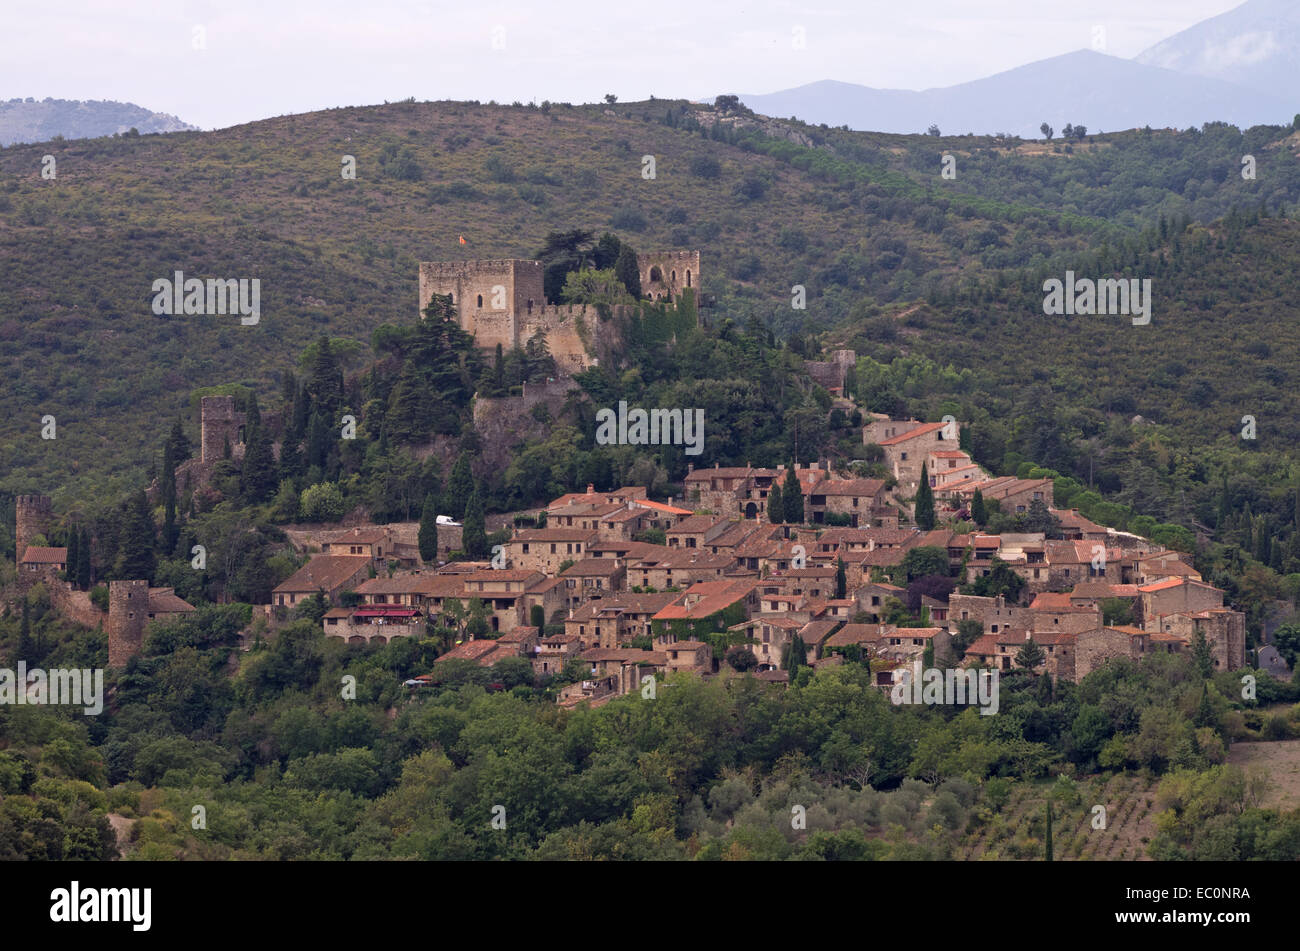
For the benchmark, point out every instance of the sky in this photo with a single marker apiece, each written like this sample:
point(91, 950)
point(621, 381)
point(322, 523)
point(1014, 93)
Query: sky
point(217, 63)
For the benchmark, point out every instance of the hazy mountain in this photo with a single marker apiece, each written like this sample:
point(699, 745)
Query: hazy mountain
point(27, 120)
point(1102, 92)
point(1256, 44)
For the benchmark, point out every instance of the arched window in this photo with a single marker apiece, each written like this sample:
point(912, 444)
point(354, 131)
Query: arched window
point(656, 274)
point(480, 300)
point(688, 277)
point(530, 305)
point(674, 276)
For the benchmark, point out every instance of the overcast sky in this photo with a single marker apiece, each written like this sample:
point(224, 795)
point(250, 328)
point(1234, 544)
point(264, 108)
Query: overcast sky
point(274, 57)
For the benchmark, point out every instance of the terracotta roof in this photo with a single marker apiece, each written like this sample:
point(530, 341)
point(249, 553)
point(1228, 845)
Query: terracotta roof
point(594, 567)
point(850, 487)
point(854, 634)
point(921, 430)
point(661, 507)
point(470, 650)
point(684, 646)
point(166, 601)
point(38, 555)
point(323, 572)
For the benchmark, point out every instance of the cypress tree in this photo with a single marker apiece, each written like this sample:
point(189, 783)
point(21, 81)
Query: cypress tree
point(796, 656)
point(474, 541)
point(25, 645)
point(83, 560)
point(428, 537)
point(924, 503)
point(74, 544)
point(979, 512)
point(775, 508)
point(841, 580)
point(792, 498)
point(1047, 842)
point(460, 486)
point(627, 272)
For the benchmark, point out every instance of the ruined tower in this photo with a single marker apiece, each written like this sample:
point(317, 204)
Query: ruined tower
point(128, 612)
point(219, 423)
point(34, 513)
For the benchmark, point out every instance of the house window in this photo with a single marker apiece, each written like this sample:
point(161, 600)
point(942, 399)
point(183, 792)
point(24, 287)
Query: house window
point(480, 300)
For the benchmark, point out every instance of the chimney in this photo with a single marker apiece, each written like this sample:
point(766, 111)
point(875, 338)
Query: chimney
point(690, 467)
point(591, 488)
point(717, 465)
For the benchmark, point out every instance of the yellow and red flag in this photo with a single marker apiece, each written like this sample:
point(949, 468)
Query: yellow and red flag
point(462, 240)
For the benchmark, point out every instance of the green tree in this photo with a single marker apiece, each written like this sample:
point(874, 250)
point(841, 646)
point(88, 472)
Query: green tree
point(627, 271)
point(792, 498)
point(83, 560)
point(924, 503)
point(775, 507)
point(978, 512)
point(841, 579)
point(428, 536)
point(1030, 655)
point(796, 656)
point(135, 558)
point(1047, 840)
point(474, 541)
point(460, 486)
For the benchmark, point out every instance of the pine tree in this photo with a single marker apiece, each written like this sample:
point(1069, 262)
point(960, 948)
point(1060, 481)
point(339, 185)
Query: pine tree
point(474, 541)
point(924, 503)
point(428, 537)
point(1030, 656)
point(179, 443)
point(1202, 657)
point(792, 498)
point(841, 580)
point(258, 478)
point(775, 508)
point(135, 559)
point(979, 512)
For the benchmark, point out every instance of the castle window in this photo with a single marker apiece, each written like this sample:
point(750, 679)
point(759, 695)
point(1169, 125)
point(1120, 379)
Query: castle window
point(480, 300)
point(530, 305)
point(688, 277)
point(656, 274)
point(674, 276)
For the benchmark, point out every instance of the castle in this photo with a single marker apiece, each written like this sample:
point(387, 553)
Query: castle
point(504, 302)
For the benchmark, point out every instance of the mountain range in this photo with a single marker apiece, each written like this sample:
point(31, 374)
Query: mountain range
point(1239, 68)
point(31, 120)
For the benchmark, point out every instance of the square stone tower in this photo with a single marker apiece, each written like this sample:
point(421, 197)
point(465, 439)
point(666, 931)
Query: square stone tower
point(665, 274)
point(33, 516)
point(219, 423)
point(490, 296)
point(128, 612)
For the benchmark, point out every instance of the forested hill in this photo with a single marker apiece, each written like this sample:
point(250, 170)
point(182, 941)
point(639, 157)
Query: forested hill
point(860, 219)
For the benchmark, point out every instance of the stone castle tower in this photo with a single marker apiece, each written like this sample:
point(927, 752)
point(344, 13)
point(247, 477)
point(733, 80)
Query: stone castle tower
point(34, 514)
point(219, 423)
point(128, 612)
point(504, 302)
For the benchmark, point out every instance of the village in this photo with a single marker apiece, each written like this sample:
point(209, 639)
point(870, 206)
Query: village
point(723, 589)
point(603, 590)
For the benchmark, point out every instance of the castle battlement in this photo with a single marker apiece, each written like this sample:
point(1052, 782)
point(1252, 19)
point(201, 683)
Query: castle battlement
point(502, 301)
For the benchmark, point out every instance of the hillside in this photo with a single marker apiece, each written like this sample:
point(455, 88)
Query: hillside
point(860, 219)
point(29, 120)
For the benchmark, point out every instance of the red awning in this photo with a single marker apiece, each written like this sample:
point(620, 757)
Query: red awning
point(379, 610)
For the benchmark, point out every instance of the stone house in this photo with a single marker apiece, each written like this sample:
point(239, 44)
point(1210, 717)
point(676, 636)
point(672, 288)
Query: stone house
point(332, 574)
point(545, 549)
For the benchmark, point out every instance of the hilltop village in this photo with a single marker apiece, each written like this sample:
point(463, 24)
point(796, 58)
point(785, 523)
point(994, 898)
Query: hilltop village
point(752, 570)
